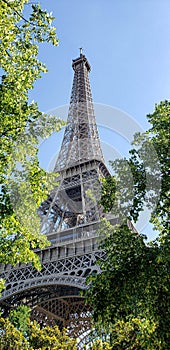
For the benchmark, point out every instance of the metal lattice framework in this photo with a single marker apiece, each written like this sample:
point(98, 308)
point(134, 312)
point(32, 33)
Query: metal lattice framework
point(80, 163)
point(70, 218)
point(81, 140)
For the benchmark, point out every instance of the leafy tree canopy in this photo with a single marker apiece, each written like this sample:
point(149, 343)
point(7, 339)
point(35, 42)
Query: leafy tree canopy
point(18, 332)
point(134, 281)
point(23, 183)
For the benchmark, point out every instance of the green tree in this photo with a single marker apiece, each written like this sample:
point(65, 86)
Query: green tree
point(134, 280)
point(49, 338)
point(11, 338)
point(18, 332)
point(20, 318)
point(98, 345)
point(131, 335)
point(23, 183)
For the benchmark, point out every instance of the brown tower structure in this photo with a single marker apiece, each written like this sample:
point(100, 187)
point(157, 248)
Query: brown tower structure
point(70, 217)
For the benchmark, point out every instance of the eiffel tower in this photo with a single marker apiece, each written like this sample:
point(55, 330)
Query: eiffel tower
point(70, 218)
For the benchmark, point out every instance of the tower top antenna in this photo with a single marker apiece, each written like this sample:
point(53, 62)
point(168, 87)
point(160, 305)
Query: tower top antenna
point(81, 51)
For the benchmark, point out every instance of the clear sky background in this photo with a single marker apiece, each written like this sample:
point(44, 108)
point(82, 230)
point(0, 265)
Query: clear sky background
point(127, 43)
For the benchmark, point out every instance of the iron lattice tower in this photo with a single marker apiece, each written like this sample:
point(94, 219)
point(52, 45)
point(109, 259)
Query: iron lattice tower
point(70, 217)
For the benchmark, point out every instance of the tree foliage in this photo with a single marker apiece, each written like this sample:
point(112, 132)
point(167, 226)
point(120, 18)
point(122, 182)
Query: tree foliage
point(20, 318)
point(98, 345)
point(131, 296)
point(18, 332)
point(50, 337)
point(23, 183)
point(143, 179)
point(134, 334)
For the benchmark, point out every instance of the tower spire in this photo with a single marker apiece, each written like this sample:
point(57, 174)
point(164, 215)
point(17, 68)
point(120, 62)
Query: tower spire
point(81, 140)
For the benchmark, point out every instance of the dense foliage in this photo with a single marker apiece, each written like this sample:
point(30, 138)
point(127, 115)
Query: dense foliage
point(131, 296)
point(23, 183)
point(18, 333)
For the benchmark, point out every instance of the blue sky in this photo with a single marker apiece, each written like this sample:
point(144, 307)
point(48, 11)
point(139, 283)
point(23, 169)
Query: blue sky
point(127, 44)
